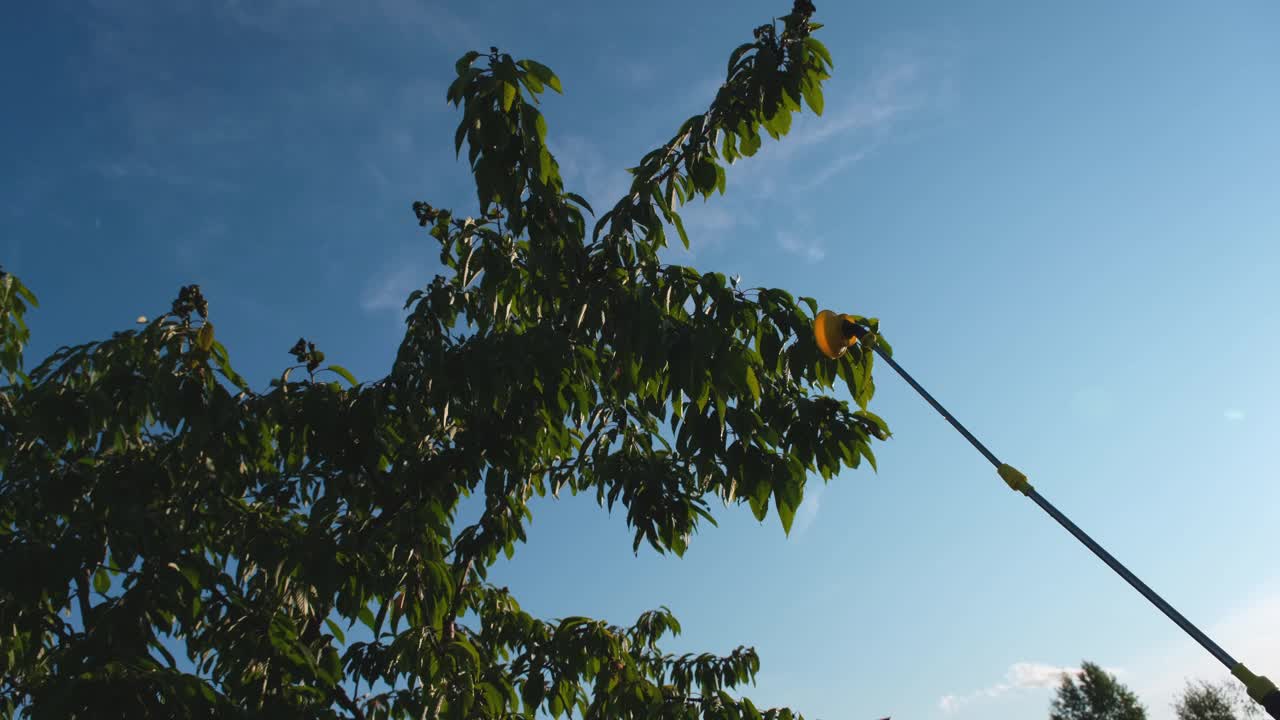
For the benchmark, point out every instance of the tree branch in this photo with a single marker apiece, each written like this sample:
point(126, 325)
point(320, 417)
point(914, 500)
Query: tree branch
point(450, 620)
point(347, 703)
point(82, 593)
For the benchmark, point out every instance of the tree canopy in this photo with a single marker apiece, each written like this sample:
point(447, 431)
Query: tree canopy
point(176, 543)
point(1095, 694)
point(1203, 700)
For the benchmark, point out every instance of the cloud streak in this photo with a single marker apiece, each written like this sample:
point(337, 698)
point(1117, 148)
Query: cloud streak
point(387, 290)
point(1020, 676)
point(1251, 631)
point(803, 246)
point(587, 171)
point(856, 121)
point(891, 90)
point(808, 510)
point(410, 16)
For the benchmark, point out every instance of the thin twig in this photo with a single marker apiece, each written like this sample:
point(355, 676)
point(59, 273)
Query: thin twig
point(82, 592)
point(348, 704)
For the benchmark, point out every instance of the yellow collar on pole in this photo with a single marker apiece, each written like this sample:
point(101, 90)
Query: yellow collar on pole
point(828, 330)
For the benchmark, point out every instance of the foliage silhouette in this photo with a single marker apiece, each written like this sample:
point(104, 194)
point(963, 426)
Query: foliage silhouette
point(1202, 700)
point(1095, 695)
point(176, 543)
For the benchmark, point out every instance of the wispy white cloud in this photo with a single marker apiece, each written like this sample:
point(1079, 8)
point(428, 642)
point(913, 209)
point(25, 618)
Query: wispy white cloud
point(390, 152)
point(127, 169)
point(835, 167)
point(182, 130)
point(856, 120)
point(710, 218)
point(1020, 676)
point(387, 290)
point(808, 510)
point(375, 173)
point(33, 191)
point(412, 16)
point(1251, 631)
point(805, 246)
point(587, 171)
point(193, 247)
point(710, 224)
point(1233, 414)
point(637, 73)
point(890, 90)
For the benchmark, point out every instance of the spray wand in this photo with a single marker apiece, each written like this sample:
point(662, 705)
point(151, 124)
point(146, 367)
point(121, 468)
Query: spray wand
point(836, 333)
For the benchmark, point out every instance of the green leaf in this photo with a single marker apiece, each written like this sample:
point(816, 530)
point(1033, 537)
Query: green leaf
point(553, 361)
point(813, 96)
point(735, 56)
point(164, 652)
point(204, 337)
point(818, 48)
point(101, 581)
point(760, 489)
point(332, 665)
point(543, 73)
point(729, 147)
point(191, 575)
point(866, 385)
point(884, 345)
point(459, 136)
point(753, 384)
point(465, 61)
point(865, 449)
point(540, 126)
point(337, 631)
point(467, 650)
point(346, 374)
point(704, 175)
point(781, 122)
point(533, 691)
point(29, 296)
point(684, 236)
point(579, 200)
point(492, 699)
point(534, 84)
point(788, 490)
point(874, 418)
point(544, 165)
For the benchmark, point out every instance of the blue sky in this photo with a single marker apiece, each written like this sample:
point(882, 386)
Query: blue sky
point(1066, 216)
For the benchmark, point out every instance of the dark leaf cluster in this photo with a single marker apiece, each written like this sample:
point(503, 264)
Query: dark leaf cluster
point(175, 543)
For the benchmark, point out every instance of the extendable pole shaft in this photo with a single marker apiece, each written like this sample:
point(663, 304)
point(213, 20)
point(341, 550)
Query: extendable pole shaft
point(1205, 641)
point(1071, 527)
point(1262, 690)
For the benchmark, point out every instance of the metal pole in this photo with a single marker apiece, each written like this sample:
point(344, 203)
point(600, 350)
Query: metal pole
point(1071, 527)
point(1262, 690)
point(1214, 649)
